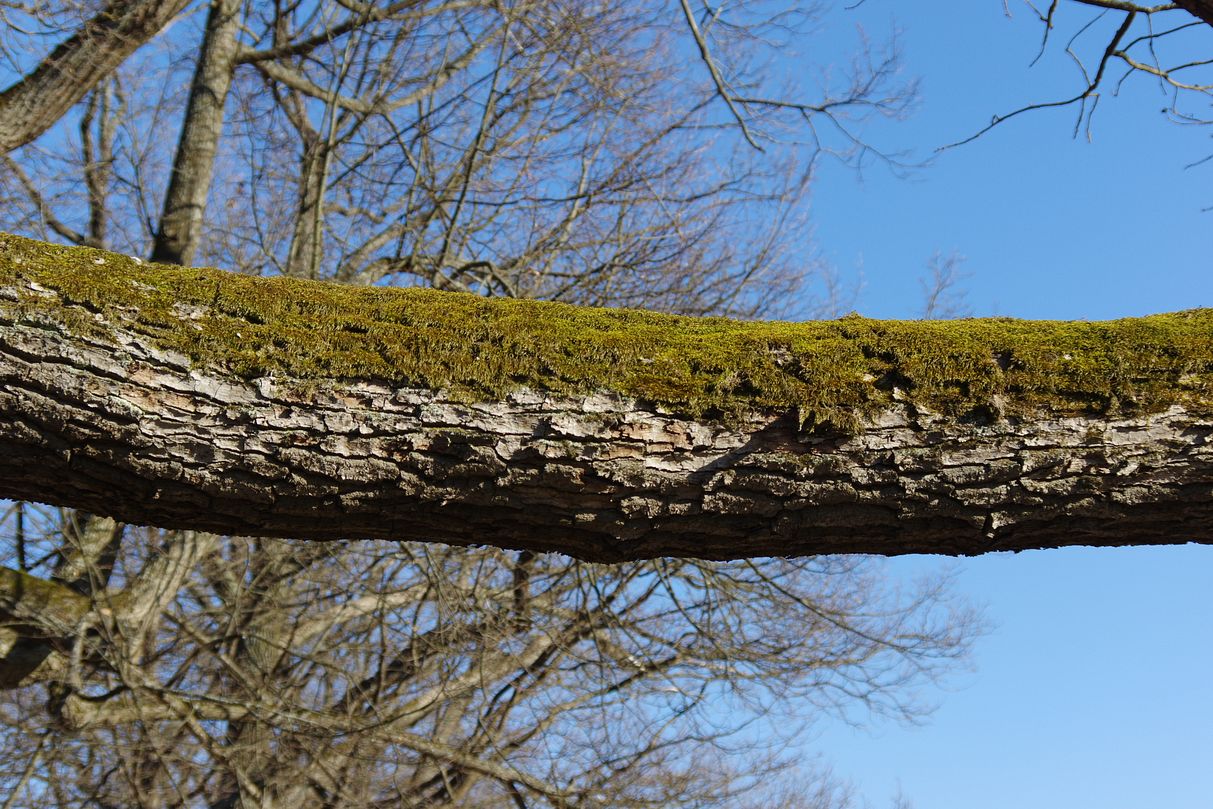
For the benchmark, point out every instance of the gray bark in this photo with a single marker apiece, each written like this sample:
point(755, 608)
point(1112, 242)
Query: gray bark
point(34, 103)
point(194, 166)
point(126, 429)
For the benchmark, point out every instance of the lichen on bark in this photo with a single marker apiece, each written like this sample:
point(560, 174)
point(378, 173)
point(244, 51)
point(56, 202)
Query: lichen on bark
point(835, 374)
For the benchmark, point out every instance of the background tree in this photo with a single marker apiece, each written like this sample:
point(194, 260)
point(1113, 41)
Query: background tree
point(94, 47)
point(532, 149)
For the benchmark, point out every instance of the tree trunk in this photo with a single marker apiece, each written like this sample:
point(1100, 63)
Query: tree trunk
point(205, 400)
point(306, 242)
point(194, 165)
point(30, 106)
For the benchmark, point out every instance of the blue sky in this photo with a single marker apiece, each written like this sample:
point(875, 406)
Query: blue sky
point(1093, 689)
point(1052, 226)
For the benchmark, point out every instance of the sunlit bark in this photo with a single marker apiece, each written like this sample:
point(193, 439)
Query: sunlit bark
point(34, 103)
point(113, 422)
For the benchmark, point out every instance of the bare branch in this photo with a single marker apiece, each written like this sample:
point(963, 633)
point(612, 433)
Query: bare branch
point(39, 99)
point(723, 91)
point(1089, 91)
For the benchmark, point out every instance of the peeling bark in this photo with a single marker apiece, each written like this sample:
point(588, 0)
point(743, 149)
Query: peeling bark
point(113, 423)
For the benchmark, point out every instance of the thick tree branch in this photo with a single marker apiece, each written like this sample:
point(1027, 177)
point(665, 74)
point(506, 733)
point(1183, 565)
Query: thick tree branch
point(29, 107)
point(1202, 9)
point(50, 606)
point(36, 619)
point(205, 400)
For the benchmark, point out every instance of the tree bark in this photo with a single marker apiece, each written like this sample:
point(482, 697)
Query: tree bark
point(194, 165)
point(1092, 434)
point(30, 106)
point(1202, 9)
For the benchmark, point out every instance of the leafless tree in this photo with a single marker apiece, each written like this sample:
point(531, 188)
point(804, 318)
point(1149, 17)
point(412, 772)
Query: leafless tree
point(528, 149)
point(943, 295)
point(215, 671)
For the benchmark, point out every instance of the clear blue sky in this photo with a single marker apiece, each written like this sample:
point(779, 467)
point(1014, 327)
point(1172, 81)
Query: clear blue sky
point(1095, 687)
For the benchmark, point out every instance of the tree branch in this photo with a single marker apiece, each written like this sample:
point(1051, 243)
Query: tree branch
point(1201, 9)
point(29, 107)
point(180, 229)
point(205, 400)
point(1092, 86)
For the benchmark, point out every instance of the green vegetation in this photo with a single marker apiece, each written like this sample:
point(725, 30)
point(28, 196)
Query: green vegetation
point(23, 595)
point(480, 349)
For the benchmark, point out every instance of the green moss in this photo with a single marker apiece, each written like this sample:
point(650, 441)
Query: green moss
point(832, 373)
point(23, 595)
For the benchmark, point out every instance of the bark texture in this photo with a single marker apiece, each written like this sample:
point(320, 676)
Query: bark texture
point(30, 106)
point(112, 422)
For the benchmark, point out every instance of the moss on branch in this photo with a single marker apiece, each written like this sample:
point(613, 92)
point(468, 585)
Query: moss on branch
point(832, 372)
point(29, 599)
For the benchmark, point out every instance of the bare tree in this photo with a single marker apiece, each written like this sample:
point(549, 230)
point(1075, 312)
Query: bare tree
point(405, 146)
point(254, 673)
point(943, 296)
point(520, 149)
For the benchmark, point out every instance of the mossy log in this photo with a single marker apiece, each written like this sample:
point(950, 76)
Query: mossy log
point(196, 398)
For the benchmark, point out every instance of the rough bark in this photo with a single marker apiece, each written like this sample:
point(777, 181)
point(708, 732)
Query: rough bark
point(97, 413)
point(30, 106)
